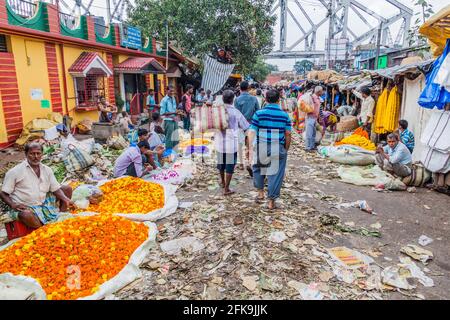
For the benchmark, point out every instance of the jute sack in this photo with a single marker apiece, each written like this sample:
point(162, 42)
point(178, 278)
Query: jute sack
point(347, 123)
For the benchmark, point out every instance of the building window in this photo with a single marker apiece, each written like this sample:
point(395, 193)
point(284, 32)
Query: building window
point(3, 45)
point(89, 90)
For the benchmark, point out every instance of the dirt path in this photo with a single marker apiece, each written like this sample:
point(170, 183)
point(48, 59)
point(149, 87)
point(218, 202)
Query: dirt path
point(237, 260)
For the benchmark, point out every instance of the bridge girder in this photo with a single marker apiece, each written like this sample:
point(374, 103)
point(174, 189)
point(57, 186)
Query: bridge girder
point(337, 11)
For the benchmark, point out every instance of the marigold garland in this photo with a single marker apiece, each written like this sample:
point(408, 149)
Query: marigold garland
point(72, 258)
point(129, 195)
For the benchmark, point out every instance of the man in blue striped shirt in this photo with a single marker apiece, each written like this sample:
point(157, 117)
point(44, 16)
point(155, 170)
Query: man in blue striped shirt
point(406, 136)
point(272, 128)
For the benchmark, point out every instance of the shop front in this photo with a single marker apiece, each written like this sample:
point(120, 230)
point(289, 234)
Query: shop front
point(133, 74)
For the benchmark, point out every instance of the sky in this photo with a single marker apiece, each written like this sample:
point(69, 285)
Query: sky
point(316, 12)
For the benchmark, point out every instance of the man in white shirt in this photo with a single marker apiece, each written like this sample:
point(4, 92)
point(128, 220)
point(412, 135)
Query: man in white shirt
point(226, 142)
point(30, 191)
point(367, 107)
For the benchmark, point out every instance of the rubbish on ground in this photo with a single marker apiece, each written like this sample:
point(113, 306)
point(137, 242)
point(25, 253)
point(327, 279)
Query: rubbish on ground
point(402, 275)
point(361, 204)
point(416, 272)
point(376, 225)
point(426, 207)
point(277, 236)
point(174, 247)
point(310, 242)
point(349, 258)
point(361, 231)
point(424, 240)
point(185, 205)
point(250, 282)
point(417, 253)
point(307, 292)
point(412, 190)
point(269, 284)
point(394, 276)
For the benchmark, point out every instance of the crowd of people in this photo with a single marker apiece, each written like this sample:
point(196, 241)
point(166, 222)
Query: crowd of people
point(257, 139)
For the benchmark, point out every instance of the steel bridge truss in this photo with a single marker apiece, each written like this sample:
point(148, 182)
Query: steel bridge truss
point(337, 13)
point(114, 12)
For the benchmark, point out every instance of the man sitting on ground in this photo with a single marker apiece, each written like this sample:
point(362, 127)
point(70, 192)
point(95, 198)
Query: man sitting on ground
point(131, 161)
point(30, 191)
point(394, 158)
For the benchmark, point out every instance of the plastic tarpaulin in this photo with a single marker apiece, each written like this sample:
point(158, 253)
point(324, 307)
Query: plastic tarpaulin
point(434, 95)
point(128, 274)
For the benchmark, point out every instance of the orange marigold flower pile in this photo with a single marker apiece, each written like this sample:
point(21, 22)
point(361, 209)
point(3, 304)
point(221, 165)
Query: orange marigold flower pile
point(72, 258)
point(129, 195)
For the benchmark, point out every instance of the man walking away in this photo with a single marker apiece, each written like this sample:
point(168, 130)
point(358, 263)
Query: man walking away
point(247, 105)
point(169, 114)
point(226, 142)
point(311, 119)
point(272, 128)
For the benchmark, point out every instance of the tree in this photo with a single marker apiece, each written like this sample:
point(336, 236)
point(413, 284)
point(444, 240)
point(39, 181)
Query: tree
point(425, 10)
point(244, 26)
point(304, 66)
point(260, 70)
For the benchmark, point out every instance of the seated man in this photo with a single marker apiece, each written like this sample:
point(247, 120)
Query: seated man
point(108, 112)
point(394, 158)
point(30, 191)
point(131, 161)
point(406, 136)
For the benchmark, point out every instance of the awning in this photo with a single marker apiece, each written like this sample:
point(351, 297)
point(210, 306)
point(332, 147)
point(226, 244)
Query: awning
point(174, 72)
point(89, 63)
point(140, 66)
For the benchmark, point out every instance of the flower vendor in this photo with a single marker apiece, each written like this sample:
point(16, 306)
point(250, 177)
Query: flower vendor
point(131, 161)
point(394, 158)
point(367, 107)
point(30, 191)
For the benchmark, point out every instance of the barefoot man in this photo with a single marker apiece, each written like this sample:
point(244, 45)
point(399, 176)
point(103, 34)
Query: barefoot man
point(227, 142)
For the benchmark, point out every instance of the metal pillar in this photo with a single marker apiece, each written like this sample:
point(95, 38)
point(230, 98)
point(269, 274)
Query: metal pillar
point(283, 24)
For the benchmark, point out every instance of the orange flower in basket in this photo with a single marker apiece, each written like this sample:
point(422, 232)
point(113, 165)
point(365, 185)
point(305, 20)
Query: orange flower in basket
point(72, 258)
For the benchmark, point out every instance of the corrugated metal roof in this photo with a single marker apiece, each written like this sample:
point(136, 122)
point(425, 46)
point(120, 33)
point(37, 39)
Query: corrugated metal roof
point(391, 73)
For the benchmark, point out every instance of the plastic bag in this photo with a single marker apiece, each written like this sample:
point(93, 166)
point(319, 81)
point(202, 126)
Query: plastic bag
point(306, 103)
point(117, 142)
point(85, 194)
point(77, 159)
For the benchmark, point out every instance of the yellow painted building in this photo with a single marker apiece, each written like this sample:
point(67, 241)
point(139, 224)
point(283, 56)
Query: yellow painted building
point(47, 65)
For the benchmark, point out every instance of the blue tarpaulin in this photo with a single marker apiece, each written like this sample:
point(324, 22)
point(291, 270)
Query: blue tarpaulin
point(434, 95)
